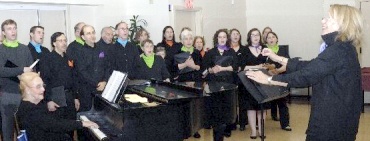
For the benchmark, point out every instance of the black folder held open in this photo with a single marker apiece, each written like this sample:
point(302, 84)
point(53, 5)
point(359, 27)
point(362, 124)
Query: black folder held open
point(181, 58)
point(58, 95)
point(10, 64)
point(262, 93)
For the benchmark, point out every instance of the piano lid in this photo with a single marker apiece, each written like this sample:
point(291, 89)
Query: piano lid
point(165, 92)
point(208, 87)
point(180, 91)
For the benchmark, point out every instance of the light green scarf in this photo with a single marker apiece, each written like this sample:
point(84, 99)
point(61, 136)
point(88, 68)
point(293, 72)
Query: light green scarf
point(274, 48)
point(149, 60)
point(80, 41)
point(13, 44)
point(186, 49)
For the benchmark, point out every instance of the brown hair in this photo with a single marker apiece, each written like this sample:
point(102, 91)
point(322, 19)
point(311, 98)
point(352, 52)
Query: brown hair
point(215, 37)
point(7, 22)
point(146, 41)
point(199, 37)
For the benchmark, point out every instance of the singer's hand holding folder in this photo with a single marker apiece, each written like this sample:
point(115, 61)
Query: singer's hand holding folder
point(223, 61)
point(181, 58)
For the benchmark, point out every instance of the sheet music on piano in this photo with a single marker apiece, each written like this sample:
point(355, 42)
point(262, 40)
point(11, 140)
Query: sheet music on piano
point(99, 134)
point(112, 91)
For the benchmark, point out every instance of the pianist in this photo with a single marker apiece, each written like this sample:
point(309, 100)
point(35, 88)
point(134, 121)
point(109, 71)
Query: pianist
point(33, 114)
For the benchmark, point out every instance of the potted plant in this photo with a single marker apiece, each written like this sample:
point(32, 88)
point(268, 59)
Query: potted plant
point(136, 25)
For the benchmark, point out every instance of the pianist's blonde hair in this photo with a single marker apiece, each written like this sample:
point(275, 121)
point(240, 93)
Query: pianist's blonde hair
point(25, 80)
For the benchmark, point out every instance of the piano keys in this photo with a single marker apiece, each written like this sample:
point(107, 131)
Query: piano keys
point(181, 109)
point(97, 132)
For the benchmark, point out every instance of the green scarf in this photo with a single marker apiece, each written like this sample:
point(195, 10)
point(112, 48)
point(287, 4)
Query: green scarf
point(149, 60)
point(274, 48)
point(80, 41)
point(150, 90)
point(186, 49)
point(13, 44)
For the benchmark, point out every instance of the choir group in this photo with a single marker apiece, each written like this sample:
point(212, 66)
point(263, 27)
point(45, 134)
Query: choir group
point(82, 68)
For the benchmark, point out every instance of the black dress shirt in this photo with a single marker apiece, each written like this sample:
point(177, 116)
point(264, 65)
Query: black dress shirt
point(92, 65)
point(57, 71)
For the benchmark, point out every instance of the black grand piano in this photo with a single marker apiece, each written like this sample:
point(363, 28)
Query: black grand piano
point(174, 112)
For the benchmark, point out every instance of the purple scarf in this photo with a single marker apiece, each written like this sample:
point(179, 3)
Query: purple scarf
point(257, 47)
point(223, 47)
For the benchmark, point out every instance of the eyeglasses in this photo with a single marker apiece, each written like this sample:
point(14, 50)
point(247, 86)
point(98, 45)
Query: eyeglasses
point(39, 86)
point(62, 40)
point(124, 29)
point(255, 35)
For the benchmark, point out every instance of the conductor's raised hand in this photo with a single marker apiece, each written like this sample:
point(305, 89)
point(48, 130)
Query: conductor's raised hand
point(270, 54)
point(267, 52)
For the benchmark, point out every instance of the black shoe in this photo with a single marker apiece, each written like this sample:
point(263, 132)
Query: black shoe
point(242, 128)
point(287, 128)
point(233, 126)
point(196, 135)
point(253, 137)
point(227, 133)
point(275, 118)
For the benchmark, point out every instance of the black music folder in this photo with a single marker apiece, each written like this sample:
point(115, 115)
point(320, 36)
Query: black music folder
point(10, 64)
point(223, 61)
point(262, 93)
point(58, 95)
point(181, 58)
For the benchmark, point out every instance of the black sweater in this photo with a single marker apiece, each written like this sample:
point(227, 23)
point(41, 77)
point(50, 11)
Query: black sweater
point(41, 126)
point(157, 72)
point(124, 58)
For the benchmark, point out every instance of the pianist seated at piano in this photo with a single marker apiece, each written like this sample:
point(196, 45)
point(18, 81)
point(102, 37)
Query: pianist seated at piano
point(33, 116)
point(151, 66)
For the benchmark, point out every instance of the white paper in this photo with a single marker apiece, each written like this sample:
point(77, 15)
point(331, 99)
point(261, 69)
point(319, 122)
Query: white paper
point(114, 86)
point(34, 63)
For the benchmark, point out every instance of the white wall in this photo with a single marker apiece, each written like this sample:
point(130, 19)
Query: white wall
point(297, 23)
point(365, 61)
point(155, 12)
point(76, 2)
point(220, 14)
